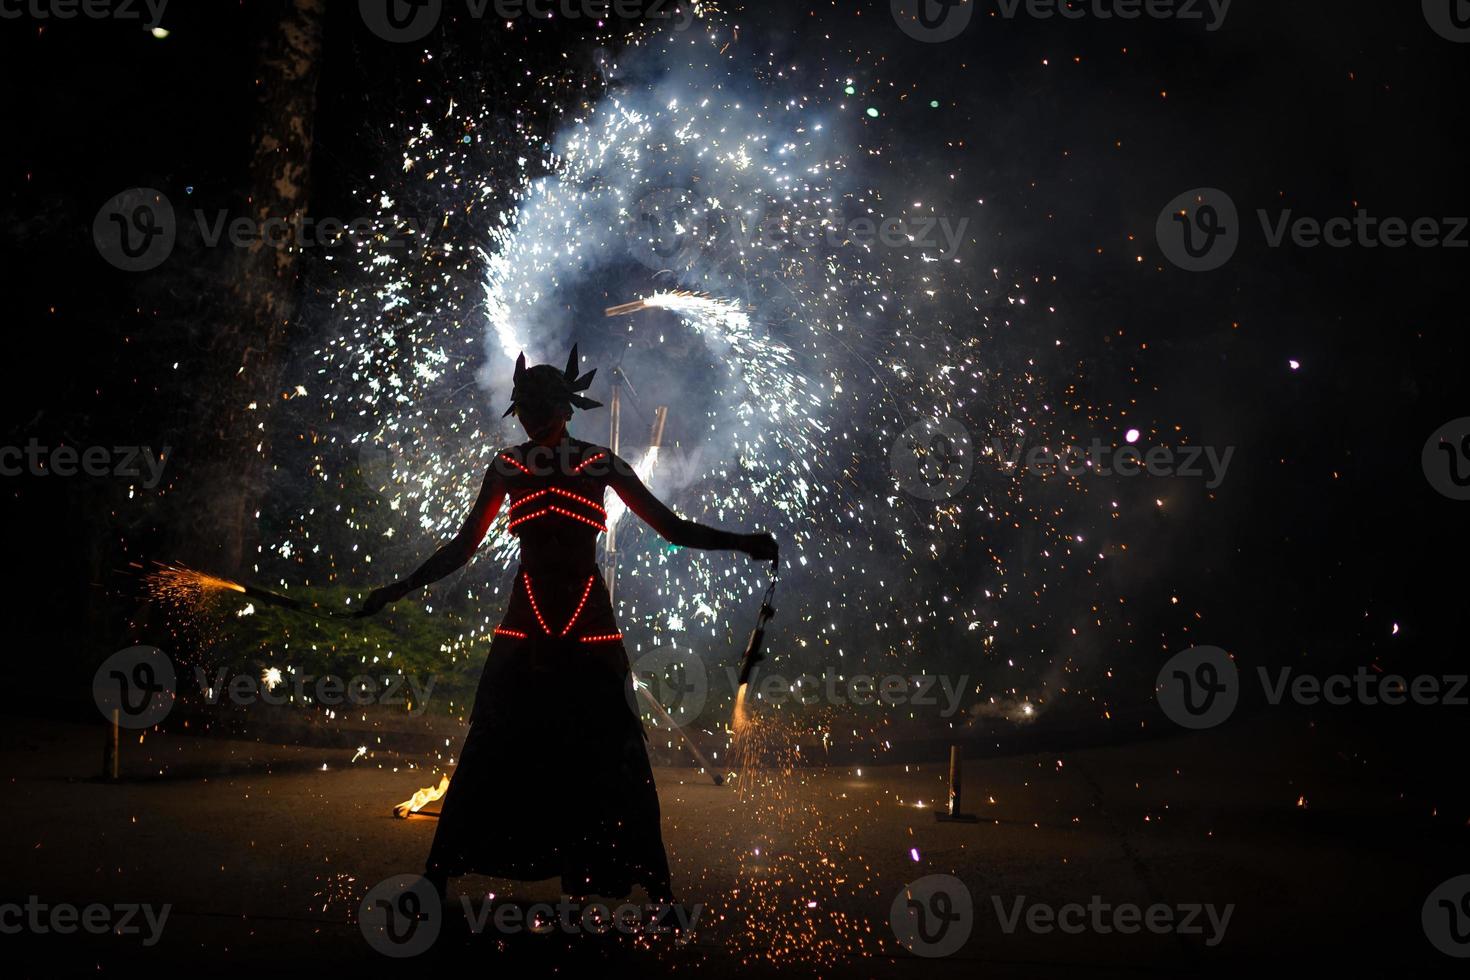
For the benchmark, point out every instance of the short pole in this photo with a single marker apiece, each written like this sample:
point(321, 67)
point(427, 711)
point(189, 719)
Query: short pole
point(953, 813)
point(110, 747)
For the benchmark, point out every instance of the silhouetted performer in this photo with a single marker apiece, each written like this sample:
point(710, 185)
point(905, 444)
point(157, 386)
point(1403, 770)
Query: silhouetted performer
point(554, 777)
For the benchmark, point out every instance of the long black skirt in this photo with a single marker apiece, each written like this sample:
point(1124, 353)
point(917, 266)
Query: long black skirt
point(553, 779)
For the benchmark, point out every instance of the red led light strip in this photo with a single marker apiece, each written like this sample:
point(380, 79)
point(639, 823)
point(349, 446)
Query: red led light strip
point(588, 462)
point(582, 602)
point(553, 509)
point(565, 493)
point(536, 608)
point(502, 631)
point(516, 465)
point(604, 638)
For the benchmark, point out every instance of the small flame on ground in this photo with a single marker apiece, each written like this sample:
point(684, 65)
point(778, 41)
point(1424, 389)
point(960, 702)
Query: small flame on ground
point(421, 799)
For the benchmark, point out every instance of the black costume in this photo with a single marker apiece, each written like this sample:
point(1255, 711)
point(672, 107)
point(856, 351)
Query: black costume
point(554, 779)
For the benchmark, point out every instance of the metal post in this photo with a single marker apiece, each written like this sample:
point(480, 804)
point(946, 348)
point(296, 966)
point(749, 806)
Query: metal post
point(953, 814)
point(615, 414)
point(110, 747)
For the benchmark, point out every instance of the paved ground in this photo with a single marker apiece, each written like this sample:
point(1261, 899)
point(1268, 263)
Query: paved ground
point(264, 852)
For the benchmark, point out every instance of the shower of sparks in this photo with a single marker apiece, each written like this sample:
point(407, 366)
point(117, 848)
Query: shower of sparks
point(803, 352)
point(728, 188)
point(185, 589)
point(796, 873)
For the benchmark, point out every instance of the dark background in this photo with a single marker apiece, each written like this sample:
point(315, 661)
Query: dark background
point(1325, 536)
point(1075, 134)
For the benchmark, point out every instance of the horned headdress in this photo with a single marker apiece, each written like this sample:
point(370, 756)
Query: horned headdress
point(544, 385)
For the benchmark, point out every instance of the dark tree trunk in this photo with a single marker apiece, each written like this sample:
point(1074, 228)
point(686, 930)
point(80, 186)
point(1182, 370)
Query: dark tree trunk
point(246, 353)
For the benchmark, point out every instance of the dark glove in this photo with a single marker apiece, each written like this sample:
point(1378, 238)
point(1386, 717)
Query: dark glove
point(379, 598)
point(761, 547)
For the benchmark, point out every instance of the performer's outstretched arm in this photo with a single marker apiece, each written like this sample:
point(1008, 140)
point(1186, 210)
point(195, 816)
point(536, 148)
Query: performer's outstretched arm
point(678, 530)
point(452, 555)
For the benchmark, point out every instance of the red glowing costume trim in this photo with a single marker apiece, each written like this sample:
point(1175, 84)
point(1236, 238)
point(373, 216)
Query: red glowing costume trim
point(553, 500)
point(580, 603)
point(553, 509)
point(588, 501)
point(536, 608)
point(588, 462)
point(516, 464)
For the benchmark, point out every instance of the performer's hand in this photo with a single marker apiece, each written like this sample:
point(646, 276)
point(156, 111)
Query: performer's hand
point(379, 598)
point(761, 547)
